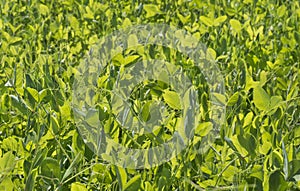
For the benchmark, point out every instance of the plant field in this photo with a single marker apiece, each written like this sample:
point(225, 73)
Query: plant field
point(149, 95)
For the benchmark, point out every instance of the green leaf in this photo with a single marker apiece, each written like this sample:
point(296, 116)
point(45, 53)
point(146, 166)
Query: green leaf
point(122, 177)
point(183, 19)
point(236, 25)
point(203, 128)
point(281, 10)
point(275, 102)
point(261, 98)
point(230, 143)
point(92, 39)
point(285, 162)
point(219, 99)
point(130, 59)
point(207, 21)
point(263, 78)
point(19, 104)
point(43, 94)
point(151, 10)
point(294, 168)
point(70, 169)
point(134, 183)
point(162, 183)
point(92, 118)
point(220, 20)
point(14, 40)
point(89, 13)
point(277, 182)
point(248, 142)
point(166, 172)
point(211, 53)
point(233, 99)
point(250, 32)
point(77, 143)
point(257, 172)
point(73, 22)
point(39, 158)
point(7, 163)
point(65, 110)
point(31, 180)
point(277, 159)
point(230, 172)
point(77, 186)
point(34, 93)
point(132, 41)
point(242, 149)
point(10, 143)
point(248, 119)
point(54, 125)
point(118, 59)
point(148, 186)
point(172, 99)
point(146, 111)
point(250, 83)
point(6, 184)
point(266, 145)
point(50, 168)
point(44, 10)
point(6, 35)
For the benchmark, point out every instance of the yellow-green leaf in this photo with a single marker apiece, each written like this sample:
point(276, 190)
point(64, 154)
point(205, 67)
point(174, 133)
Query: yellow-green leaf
point(211, 53)
point(7, 162)
point(133, 183)
point(218, 98)
point(203, 128)
point(151, 10)
point(130, 59)
point(233, 99)
point(236, 25)
point(44, 10)
point(248, 119)
point(220, 20)
point(207, 21)
point(77, 186)
point(122, 177)
point(73, 22)
point(261, 98)
point(54, 125)
point(34, 93)
point(281, 10)
point(132, 41)
point(172, 99)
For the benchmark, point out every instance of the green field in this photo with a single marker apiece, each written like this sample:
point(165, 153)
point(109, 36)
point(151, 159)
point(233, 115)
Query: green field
point(231, 106)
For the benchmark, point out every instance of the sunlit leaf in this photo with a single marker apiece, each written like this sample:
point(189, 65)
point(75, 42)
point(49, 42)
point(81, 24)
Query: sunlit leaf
point(172, 99)
point(77, 186)
point(151, 10)
point(7, 162)
point(207, 21)
point(220, 20)
point(44, 10)
point(236, 25)
point(233, 99)
point(261, 98)
point(122, 177)
point(203, 128)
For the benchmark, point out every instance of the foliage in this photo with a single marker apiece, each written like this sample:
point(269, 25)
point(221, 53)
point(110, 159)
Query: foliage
point(255, 44)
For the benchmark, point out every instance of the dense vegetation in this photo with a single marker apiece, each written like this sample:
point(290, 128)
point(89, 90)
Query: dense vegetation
point(255, 45)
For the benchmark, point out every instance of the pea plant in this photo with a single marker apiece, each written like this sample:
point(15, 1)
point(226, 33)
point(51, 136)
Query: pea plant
point(149, 95)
